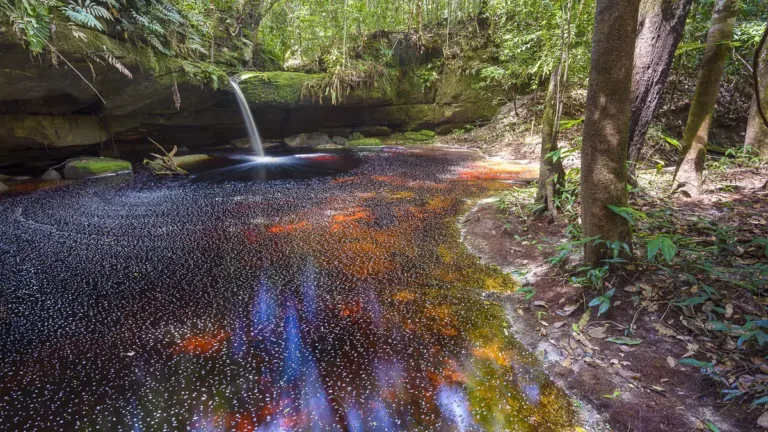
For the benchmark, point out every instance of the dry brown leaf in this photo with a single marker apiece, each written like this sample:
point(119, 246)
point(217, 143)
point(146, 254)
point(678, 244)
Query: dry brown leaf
point(671, 362)
point(664, 330)
point(597, 332)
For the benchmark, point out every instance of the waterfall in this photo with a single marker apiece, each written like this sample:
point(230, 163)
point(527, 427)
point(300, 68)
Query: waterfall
point(253, 133)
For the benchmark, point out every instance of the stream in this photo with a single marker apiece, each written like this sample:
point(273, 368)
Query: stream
point(338, 302)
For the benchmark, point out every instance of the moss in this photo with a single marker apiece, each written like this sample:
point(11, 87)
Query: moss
point(366, 142)
point(417, 136)
point(275, 88)
point(92, 167)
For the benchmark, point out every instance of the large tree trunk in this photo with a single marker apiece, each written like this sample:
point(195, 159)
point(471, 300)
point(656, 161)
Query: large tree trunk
point(757, 131)
point(606, 127)
point(659, 32)
point(551, 173)
point(690, 167)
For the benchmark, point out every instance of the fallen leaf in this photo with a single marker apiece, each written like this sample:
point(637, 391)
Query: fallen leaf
point(597, 332)
point(558, 324)
point(628, 375)
point(671, 362)
point(540, 303)
point(762, 421)
point(568, 309)
point(664, 330)
point(621, 340)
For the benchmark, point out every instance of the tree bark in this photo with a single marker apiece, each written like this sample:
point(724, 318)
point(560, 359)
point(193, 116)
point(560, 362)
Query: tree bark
point(551, 173)
point(659, 31)
point(757, 131)
point(606, 127)
point(690, 167)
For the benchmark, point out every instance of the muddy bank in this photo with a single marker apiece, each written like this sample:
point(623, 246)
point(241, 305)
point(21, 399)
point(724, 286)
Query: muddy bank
point(632, 387)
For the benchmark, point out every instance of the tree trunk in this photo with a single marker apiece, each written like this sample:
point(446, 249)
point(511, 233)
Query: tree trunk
point(551, 173)
point(606, 127)
point(690, 167)
point(659, 32)
point(757, 131)
point(255, 46)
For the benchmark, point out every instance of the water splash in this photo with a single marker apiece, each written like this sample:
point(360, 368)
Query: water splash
point(253, 133)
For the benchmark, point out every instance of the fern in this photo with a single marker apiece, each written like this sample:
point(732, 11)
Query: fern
point(86, 13)
point(116, 63)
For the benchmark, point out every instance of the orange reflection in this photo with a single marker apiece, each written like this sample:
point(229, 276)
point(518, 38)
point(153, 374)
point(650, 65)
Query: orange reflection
point(202, 344)
point(278, 229)
point(500, 170)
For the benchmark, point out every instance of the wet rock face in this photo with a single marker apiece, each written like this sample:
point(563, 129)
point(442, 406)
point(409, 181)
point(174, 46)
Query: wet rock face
point(81, 168)
point(332, 303)
point(308, 140)
point(42, 106)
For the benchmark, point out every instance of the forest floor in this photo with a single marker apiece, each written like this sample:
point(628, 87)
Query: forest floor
point(680, 345)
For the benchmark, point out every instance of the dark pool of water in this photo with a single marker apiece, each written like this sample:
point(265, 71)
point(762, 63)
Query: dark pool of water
point(341, 302)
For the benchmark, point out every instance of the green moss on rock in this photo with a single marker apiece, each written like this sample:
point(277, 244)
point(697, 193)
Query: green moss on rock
point(93, 167)
point(366, 142)
point(275, 88)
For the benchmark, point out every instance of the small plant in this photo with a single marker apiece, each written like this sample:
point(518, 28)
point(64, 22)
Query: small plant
point(603, 301)
point(664, 244)
point(164, 164)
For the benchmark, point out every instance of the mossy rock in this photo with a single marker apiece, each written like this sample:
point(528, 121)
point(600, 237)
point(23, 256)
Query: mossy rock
point(420, 136)
point(275, 88)
point(365, 142)
point(77, 169)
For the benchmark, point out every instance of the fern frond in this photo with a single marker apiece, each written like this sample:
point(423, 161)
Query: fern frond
point(116, 63)
point(81, 17)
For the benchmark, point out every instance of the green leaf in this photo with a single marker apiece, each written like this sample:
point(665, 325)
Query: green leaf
point(628, 213)
point(621, 340)
point(694, 362)
point(711, 426)
point(693, 301)
point(604, 307)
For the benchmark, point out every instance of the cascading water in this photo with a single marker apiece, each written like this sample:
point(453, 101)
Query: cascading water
point(253, 133)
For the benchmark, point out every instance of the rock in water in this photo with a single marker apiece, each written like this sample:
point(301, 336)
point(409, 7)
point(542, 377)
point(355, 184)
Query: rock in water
point(308, 140)
point(3, 187)
point(76, 169)
point(51, 174)
point(339, 140)
point(241, 143)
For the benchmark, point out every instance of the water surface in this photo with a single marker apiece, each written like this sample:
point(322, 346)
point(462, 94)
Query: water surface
point(332, 303)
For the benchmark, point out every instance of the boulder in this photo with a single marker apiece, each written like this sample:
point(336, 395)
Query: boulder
point(51, 174)
point(76, 169)
point(356, 136)
point(308, 140)
point(339, 140)
point(241, 143)
point(3, 187)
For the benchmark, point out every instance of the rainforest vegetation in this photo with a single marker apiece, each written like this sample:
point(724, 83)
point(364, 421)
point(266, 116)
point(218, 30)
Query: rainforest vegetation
point(648, 118)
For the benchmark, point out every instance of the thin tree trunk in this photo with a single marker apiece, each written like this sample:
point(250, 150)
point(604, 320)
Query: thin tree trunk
point(757, 131)
point(659, 32)
point(551, 173)
point(690, 167)
point(606, 127)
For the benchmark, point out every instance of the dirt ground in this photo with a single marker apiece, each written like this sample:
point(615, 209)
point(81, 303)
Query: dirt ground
point(639, 387)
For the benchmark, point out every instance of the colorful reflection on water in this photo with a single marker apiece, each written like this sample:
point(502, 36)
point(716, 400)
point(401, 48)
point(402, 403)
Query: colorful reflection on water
point(328, 304)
